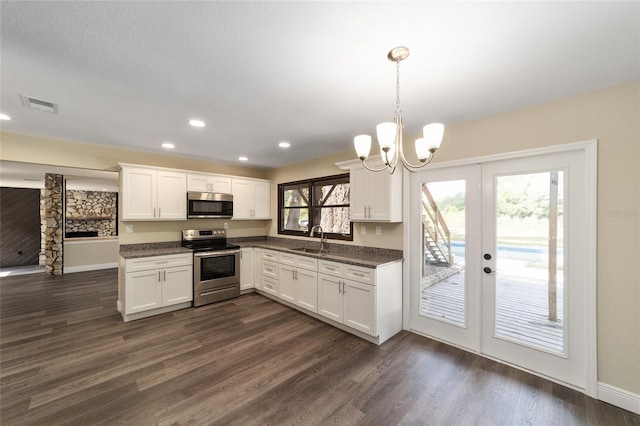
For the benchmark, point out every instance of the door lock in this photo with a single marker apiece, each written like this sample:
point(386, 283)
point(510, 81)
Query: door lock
point(487, 256)
point(487, 270)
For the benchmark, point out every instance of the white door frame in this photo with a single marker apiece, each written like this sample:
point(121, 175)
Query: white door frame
point(590, 148)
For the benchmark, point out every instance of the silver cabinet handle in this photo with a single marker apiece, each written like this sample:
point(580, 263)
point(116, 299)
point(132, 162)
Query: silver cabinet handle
point(164, 275)
point(159, 280)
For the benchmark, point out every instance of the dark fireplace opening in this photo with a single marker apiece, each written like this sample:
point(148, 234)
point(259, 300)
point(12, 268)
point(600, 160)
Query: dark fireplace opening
point(79, 234)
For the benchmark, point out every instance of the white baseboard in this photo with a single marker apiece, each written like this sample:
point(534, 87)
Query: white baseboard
point(619, 397)
point(83, 268)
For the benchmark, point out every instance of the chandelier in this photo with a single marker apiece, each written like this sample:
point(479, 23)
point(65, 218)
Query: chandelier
point(390, 133)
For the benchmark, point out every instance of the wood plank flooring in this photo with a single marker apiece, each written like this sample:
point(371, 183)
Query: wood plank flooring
point(66, 358)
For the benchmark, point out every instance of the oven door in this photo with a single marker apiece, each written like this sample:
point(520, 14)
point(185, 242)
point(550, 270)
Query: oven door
point(216, 269)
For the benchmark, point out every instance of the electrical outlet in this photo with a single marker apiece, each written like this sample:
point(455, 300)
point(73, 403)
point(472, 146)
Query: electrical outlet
point(378, 230)
point(129, 229)
point(363, 230)
point(226, 225)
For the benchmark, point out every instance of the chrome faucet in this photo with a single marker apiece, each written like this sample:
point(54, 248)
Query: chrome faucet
point(318, 228)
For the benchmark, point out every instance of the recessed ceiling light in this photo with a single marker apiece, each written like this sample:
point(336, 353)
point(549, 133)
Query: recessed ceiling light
point(196, 123)
point(168, 145)
point(4, 117)
point(243, 158)
point(284, 144)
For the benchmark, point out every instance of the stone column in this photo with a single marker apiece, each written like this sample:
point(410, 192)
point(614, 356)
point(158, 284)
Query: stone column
point(54, 223)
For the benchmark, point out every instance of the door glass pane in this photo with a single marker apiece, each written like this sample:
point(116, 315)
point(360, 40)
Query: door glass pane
point(529, 281)
point(442, 289)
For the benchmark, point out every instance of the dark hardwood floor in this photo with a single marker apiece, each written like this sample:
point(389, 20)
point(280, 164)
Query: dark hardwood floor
point(68, 359)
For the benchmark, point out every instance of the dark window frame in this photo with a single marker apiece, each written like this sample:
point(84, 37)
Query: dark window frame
point(314, 209)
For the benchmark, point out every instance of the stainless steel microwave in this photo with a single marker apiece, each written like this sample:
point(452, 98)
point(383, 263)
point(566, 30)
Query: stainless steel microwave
point(209, 205)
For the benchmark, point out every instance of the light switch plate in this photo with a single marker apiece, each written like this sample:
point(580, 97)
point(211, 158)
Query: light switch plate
point(363, 230)
point(129, 229)
point(378, 230)
point(226, 225)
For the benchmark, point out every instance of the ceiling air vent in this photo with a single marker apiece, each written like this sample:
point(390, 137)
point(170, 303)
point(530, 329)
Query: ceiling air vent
point(39, 104)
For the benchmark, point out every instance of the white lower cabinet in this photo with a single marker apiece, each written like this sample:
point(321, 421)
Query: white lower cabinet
point(247, 276)
point(348, 302)
point(270, 272)
point(257, 267)
point(365, 301)
point(153, 285)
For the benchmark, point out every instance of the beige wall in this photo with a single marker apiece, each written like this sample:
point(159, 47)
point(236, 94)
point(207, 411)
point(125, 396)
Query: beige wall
point(38, 150)
point(610, 115)
point(82, 255)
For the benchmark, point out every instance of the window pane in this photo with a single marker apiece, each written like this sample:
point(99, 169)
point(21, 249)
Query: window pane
point(297, 195)
point(295, 219)
point(332, 193)
point(335, 220)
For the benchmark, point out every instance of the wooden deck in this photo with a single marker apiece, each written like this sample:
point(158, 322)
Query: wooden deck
point(521, 311)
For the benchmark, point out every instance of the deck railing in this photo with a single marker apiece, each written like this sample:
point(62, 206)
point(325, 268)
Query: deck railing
point(436, 231)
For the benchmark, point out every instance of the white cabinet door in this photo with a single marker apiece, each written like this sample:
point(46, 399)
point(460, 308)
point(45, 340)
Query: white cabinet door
point(307, 289)
point(360, 306)
point(197, 182)
point(246, 268)
point(257, 267)
point(375, 196)
point(360, 191)
point(251, 199)
point(172, 195)
point(138, 194)
point(200, 182)
point(262, 209)
point(243, 198)
point(286, 283)
point(177, 285)
point(330, 303)
point(143, 291)
point(152, 194)
point(221, 184)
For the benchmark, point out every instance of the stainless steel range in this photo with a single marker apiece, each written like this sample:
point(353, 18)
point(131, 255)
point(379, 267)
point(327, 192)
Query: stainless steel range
point(216, 265)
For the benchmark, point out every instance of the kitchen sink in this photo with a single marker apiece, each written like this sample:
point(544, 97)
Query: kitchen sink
point(308, 250)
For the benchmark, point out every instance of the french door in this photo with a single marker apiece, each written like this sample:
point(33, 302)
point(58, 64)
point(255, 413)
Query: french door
point(499, 251)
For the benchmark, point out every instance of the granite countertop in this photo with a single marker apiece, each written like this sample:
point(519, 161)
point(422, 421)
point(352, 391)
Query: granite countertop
point(131, 251)
point(368, 257)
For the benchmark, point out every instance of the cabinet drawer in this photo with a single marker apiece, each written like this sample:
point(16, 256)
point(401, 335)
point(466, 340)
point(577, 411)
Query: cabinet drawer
point(270, 285)
point(269, 269)
point(155, 262)
point(331, 268)
point(286, 258)
point(304, 262)
point(270, 255)
point(360, 274)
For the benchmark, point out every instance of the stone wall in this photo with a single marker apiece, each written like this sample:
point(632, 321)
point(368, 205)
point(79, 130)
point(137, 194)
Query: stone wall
point(91, 211)
point(53, 223)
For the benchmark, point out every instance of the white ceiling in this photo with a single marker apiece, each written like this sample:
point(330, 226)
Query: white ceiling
point(130, 74)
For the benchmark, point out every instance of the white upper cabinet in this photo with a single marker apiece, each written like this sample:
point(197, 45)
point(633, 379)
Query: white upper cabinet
point(251, 199)
point(153, 194)
point(375, 196)
point(201, 182)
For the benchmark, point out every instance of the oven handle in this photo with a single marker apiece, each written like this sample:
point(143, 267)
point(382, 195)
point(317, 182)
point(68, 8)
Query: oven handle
point(216, 253)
